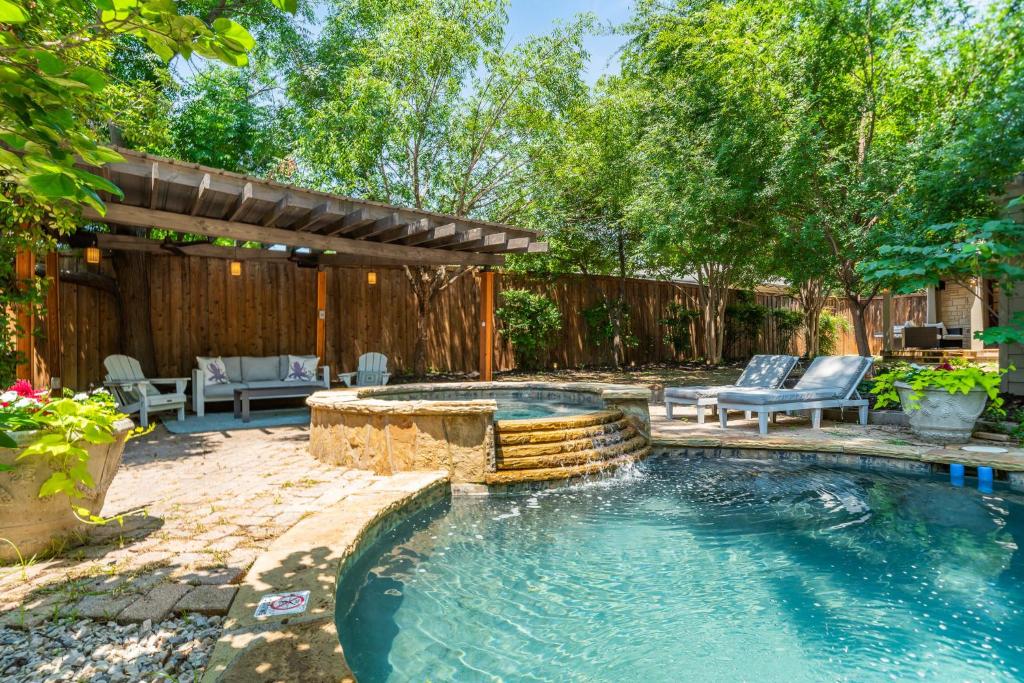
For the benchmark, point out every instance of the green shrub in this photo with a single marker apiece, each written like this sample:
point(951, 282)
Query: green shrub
point(677, 321)
point(529, 321)
point(601, 324)
point(744, 318)
point(830, 327)
point(787, 322)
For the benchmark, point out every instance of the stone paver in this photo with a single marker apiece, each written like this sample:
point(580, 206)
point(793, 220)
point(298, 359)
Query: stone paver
point(208, 600)
point(156, 604)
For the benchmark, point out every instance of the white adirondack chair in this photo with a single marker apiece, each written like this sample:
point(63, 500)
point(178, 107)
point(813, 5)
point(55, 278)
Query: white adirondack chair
point(135, 392)
point(373, 371)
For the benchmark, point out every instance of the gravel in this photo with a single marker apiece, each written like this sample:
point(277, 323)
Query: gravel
point(94, 651)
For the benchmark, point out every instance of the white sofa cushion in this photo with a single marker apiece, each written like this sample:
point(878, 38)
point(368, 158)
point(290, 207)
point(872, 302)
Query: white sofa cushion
point(261, 368)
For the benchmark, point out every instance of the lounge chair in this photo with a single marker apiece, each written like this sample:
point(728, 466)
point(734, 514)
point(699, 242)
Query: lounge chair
point(372, 371)
point(830, 382)
point(135, 392)
point(762, 372)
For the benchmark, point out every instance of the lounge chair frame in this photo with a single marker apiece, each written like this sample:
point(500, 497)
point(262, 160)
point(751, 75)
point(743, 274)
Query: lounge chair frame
point(712, 401)
point(852, 399)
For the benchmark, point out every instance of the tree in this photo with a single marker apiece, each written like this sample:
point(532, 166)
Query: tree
point(417, 102)
point(584, 193)
point(713, 133)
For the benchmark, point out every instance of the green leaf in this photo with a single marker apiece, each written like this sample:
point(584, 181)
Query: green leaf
point(234, 34)
point(91, 77)
point(49, 63)
point(7, 441)
point(53, 185)
point(12, 13)
point(289, 6)
point(57, 483)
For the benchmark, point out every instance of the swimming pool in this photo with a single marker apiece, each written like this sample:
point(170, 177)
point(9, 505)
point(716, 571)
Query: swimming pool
point(697, 569)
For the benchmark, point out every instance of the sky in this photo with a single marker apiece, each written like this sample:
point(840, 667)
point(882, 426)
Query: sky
point(532, 17)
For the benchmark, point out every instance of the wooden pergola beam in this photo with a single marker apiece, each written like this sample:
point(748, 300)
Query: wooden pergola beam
point(404, 231)
point(494, 241)
point(142, 217)
point(423, 236)
point(349, 222)
point(379, 226)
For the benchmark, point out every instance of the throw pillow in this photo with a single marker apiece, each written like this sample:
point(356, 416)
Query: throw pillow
point(301, 369)
point(214, 371)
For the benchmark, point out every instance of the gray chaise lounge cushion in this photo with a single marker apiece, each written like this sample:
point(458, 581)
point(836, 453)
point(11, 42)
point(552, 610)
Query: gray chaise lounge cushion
point(828, 378)
point(765, 371)
point(762, 372)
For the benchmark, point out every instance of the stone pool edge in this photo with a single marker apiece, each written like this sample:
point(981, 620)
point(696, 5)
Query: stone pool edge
point(863, 453)
point(311, 556)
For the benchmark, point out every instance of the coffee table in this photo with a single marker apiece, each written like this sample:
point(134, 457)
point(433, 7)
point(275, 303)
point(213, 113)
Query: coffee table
point(243, 396)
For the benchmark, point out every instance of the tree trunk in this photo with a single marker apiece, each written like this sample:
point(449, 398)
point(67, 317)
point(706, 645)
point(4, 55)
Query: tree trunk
point(136, 339)
point(860, 329)
point(812, 295)
point(618, 342)
point(419, 354)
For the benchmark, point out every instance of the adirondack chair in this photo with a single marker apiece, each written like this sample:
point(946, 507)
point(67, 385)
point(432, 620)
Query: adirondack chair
point(135, 392)
point(373, 371)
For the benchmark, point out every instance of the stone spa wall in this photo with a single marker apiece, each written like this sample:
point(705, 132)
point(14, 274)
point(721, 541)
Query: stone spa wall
point(358, 429)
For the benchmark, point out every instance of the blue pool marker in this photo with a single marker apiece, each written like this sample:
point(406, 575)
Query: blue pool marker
point(985, 479)
point(956, 475)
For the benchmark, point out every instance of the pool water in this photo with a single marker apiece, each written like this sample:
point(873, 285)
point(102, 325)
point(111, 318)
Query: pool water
point(524, 409)
point(688, 569)
point(512, 405)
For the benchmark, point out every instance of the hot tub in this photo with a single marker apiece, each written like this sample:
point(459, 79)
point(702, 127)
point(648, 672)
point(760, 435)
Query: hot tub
point(484, 432)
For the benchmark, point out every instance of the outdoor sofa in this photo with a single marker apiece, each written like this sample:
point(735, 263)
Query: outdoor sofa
point(762, 372)
point(216, 382)
point(829, 382)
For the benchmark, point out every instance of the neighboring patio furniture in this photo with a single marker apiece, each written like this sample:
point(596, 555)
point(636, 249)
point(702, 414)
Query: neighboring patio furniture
point(216, 378)
point(926, 337)
point(135, 393)
point(829, 382)
point(242, 396)
point(762, 372)
point(372, 371)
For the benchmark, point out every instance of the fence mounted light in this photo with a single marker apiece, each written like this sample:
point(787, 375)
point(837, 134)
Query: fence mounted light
point(236, 268)
point(371, 278)
point(92, 255)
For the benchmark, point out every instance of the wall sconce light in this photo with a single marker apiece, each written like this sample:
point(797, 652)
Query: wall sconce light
point(92, 255)
point(371, 278)
point(236, 268)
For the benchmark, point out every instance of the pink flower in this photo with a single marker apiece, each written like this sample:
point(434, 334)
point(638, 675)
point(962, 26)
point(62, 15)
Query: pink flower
point(945, 366)
point(23, 389)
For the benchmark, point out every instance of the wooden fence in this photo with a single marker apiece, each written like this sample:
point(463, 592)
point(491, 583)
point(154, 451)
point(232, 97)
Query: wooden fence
point(198, 308)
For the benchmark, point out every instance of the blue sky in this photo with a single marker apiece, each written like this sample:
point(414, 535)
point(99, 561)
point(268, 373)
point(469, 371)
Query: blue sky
point(531, 17)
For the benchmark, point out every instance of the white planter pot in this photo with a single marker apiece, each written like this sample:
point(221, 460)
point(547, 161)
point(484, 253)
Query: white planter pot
point(33, 523)
point(942, 416)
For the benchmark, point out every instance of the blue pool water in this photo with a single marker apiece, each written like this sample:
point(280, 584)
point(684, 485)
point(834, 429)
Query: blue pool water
point(698, 570)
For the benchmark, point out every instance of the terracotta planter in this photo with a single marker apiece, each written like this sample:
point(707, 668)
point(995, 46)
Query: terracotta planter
point(942, 416)
point(33, 523)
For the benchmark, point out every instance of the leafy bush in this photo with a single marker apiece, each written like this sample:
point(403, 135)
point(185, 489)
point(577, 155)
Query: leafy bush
point(787, 322)
point(529, 321)
point(958, 377)
point(744, 318)
point(601, 324)
point(677, 321)
point(830, 327)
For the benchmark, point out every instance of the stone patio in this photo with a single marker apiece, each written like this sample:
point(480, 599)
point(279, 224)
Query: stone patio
point(211, 504)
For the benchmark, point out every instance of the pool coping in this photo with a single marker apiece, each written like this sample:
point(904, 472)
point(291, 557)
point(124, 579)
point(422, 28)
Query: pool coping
point(1011, 462)
point(312, 556)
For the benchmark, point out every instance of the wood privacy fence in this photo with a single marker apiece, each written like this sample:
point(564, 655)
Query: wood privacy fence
point(198, 308)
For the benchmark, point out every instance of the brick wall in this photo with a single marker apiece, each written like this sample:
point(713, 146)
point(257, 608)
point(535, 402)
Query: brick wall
point(954, 307)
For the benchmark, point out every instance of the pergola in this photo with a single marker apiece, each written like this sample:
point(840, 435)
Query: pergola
point(287, 222)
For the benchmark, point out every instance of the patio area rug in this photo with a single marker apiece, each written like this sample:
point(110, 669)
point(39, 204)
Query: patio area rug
point(225, 422)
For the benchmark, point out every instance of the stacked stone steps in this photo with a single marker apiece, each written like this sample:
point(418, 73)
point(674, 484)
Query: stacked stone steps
point(565, 447)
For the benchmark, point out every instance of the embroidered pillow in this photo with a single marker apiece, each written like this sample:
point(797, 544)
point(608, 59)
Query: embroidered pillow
point(301, 369)
point(214, 371)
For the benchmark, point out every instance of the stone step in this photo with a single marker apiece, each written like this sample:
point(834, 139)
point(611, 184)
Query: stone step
point(574, 458)
point(552, 435)
point(511, 452)
point(554, 473)
point(558, 423)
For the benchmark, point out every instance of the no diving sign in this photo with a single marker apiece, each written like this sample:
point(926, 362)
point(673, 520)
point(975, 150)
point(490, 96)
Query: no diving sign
point(281, 604)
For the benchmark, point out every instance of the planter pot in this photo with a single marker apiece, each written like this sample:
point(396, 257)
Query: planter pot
point(33, 523)
point(942, 416)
